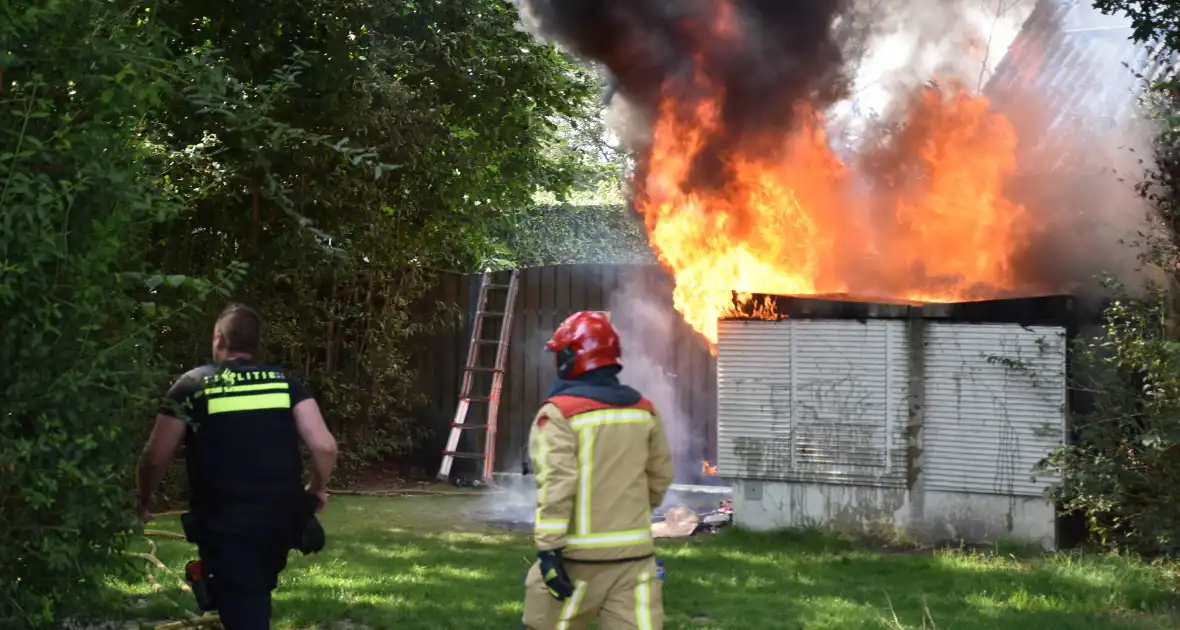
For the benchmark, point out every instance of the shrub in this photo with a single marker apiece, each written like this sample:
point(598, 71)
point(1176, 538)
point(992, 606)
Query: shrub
point(80, 188)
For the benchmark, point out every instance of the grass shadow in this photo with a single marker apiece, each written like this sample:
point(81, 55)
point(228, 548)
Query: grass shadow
point(419, 563)
point(813, 581)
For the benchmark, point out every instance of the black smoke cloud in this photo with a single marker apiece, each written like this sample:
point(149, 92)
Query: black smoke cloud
point(761, 56)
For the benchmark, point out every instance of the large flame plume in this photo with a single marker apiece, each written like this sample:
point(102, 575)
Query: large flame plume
point(936, 225)
point(743, 188)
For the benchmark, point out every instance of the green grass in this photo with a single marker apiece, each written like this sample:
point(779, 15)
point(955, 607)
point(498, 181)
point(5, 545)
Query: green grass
point(419, 563)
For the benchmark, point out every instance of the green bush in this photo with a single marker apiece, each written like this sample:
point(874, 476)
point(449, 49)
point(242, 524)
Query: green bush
point(346, 155)
point(1122, 472)
point(80, 188)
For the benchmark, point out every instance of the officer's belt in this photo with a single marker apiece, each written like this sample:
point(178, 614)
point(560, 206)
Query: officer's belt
point(311, 537)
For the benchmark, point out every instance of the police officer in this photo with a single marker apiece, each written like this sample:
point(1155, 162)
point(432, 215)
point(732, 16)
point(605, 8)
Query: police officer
point(602, 463)
point(241, 423)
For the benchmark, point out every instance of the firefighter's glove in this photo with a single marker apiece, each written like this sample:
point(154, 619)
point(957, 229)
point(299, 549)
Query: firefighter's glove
point(553, 573)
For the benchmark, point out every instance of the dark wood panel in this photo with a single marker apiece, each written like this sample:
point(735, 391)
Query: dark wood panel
point(578, 276)
point(561, 294)
point(435, 356)
point(514, 376)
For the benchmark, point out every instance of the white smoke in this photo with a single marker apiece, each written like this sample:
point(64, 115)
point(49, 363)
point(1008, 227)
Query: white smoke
point(1077, 168)
point(514, 502)
point(906, 43)
point(647, 324)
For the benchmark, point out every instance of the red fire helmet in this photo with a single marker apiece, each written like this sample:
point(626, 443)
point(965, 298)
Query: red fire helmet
point(585, 341)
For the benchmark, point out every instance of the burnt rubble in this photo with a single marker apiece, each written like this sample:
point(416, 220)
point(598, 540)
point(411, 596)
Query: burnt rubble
point(680, 521)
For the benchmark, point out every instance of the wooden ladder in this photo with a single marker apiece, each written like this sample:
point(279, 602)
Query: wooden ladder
point(492, 398)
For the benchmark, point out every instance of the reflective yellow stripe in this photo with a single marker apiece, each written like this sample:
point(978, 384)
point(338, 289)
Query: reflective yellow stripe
point(540, 448)
point(610, 539)
point(540, 455)
point(241, 389)
point(586, 424)
point(252, 402)
point(643, 619)
point(585, 479)
point(570, 609)
point(551, 525)
point(610, 416)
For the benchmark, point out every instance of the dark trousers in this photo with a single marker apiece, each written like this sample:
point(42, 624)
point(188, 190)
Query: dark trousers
point(242, 553)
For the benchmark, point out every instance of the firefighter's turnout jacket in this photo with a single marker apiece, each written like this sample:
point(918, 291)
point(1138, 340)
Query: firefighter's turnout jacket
point(602, 462)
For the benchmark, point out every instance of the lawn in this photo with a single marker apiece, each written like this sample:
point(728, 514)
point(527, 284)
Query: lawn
point(420, 563)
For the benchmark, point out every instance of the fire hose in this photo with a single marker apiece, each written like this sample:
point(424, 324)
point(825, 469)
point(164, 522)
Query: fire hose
point(311, 540)
point(212, 619)
point(192, 619)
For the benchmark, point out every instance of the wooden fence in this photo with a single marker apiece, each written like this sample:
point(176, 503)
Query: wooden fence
point(663, 357)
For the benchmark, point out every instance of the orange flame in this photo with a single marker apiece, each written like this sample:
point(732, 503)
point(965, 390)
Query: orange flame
point(708, 469)
point(934, 226)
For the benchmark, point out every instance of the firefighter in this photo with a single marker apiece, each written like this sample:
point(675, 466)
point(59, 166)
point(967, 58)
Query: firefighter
point(602, 463)
point(248, 506)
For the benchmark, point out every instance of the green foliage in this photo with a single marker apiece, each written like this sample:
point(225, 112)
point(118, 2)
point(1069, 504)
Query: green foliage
point(1123, 469)
point(571, 234)
point(351, 152)
point(79, 192)
point(1150, 21)
point(317, 160)
point(1119, 472)
point(592, 223)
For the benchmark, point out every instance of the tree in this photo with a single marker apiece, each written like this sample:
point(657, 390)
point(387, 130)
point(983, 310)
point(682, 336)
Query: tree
point(578, 233)
point(81, 185)
point(1150, 21)
point(593, 223)
point(360, 148)
point(341, 154)
point(1122, 470)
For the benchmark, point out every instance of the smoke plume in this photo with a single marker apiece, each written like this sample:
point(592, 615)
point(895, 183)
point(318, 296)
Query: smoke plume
point(761, 54)
point(646, 325)
point(1081, 149)
point(862, 64)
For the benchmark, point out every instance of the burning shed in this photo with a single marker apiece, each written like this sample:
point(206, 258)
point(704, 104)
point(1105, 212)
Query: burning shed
point(926, 420)
point(926, 414)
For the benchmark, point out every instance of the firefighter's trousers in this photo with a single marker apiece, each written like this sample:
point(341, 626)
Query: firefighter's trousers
point(622, 596)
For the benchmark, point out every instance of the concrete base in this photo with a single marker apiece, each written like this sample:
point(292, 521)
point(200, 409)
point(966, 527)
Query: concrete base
point(926, 516)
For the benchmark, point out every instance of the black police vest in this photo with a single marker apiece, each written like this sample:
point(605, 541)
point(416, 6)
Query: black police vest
point(242, 446)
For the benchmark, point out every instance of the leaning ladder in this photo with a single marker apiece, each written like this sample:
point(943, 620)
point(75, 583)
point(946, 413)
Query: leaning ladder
point(492, 399)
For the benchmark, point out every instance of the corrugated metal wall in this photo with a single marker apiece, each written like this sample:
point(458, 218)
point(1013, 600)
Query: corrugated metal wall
point(995, 406)
point(828, 401)
point(813, 400)
point(754, 399)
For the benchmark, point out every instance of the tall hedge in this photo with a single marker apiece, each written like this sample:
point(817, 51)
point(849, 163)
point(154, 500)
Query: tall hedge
point(150, 151)
point(80, 189)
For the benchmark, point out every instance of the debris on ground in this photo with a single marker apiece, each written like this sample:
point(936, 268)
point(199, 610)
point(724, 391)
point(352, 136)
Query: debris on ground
point(679, 521)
